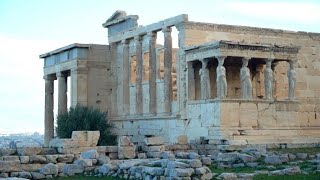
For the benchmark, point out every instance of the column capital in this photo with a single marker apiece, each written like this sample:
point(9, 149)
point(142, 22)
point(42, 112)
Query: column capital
point(152, 34)
point(245, 61)
point(180, 26)
point(292, 64)
point(166, 30)
point(204, 62)
point(138, 38)
point(221, 59)
point(247, 58)
point(269, 60)
point(49, 77)
point(61, 74)
point(125, 41)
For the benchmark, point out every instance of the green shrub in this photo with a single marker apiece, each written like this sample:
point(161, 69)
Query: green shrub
point(81, 118)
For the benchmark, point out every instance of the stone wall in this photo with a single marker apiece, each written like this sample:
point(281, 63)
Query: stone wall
point(255, 122)
point(152, 159)
point(100, 87)
point(168, 127)
point(70, 157)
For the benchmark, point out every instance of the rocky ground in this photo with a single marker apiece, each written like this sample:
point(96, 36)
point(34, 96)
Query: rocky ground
point(21, 140)
point(246, 164)
point(250, 163)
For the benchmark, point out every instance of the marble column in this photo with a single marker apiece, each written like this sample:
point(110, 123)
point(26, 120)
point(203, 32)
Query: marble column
point(167, 69)
point(222, 87)
point(152, 73)
point(62, 93)
point(268, 79)
point(126, 77)
point(191, 82)
point(139, 74)
point(205, 80)
point(292, 77)
point(245, 77)
point(48, 112)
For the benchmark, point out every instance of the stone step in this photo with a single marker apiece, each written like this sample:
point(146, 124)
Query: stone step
point(263, 139)
point(282, 132)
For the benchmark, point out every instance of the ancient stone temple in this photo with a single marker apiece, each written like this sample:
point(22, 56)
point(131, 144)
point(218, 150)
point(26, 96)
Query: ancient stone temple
point(220, 82)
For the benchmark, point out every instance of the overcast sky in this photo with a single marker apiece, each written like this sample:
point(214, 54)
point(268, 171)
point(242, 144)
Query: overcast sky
point(29, 28)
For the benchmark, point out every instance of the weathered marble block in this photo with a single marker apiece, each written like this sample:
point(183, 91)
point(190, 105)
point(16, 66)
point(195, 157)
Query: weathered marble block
point(182, 139)
point(86, 138)
point(63, 143)
point(154, 141)
point(78, 139)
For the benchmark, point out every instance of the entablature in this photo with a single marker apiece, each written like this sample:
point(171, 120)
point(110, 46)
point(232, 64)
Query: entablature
point(240, 49)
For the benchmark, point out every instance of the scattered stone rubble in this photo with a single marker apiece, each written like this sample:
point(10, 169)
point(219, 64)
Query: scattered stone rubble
point(157, 168)
point(152, 160)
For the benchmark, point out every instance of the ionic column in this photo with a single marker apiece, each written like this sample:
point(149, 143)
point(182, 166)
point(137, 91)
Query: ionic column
point(152, 73)
point(182, 81)
point(139, 71)
point(292, 76)
point(205, 80)
point(222, 87)
point(126, 77)
point(191, 82)
point(62, 93)
point(245, 77)
point(268, 79)
point(48, 109)
point(167, 69)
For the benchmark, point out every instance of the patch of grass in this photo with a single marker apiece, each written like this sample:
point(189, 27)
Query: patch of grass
point(308, 166)
point(313, 150)
point(313, 176)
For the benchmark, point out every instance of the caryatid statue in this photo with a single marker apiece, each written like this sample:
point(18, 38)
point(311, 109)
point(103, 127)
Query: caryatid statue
point(292, 76)
point(221, 80)
point(268, 79)
point(205, 80)
point(246, 84)
point(274, 84)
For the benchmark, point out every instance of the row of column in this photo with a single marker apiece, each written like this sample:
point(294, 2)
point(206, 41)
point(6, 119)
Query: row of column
point(245, 78)
point(152, 73)
point(49, 102)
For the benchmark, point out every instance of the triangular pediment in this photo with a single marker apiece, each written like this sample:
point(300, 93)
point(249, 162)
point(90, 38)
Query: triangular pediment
point(117, 15)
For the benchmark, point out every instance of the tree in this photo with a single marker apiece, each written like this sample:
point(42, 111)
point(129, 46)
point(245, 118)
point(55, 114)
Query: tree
point(82, 118)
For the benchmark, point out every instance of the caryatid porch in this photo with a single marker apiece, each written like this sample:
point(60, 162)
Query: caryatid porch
point(232, 70)
point(233, 92)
